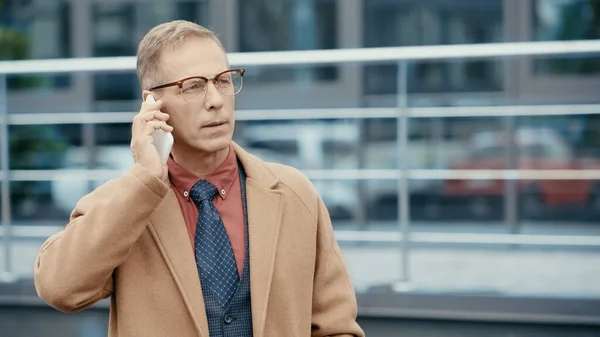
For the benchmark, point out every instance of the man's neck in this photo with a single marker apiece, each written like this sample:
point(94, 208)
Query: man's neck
point(199, 163)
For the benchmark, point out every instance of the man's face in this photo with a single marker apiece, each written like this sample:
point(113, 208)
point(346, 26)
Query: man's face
point(205, 125)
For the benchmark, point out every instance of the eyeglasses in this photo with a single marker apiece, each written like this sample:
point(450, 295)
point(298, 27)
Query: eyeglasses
point(193, 89)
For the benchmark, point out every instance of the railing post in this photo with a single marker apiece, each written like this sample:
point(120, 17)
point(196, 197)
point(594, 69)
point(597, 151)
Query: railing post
point(6, 275)
point(403, 167)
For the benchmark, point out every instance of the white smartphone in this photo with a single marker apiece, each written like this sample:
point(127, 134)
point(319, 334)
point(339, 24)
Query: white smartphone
point(163, 141)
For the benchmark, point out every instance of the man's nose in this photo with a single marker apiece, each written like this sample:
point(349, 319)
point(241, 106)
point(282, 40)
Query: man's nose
point(214, 98)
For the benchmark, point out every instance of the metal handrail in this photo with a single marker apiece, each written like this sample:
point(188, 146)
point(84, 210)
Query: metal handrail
point(319, 57)
point(340, 174)
point(36, 233)
point(100, 117)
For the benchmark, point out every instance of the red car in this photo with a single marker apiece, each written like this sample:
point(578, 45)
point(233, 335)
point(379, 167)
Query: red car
point(535, 149)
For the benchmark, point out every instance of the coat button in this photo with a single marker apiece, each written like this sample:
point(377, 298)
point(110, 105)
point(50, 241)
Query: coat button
point(228, 319)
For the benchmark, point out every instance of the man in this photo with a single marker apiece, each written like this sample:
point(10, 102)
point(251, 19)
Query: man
point(216, 242)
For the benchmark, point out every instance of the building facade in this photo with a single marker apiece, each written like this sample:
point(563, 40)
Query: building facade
point(67, 132)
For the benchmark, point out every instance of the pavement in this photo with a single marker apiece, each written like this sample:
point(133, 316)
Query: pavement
point(509, 272)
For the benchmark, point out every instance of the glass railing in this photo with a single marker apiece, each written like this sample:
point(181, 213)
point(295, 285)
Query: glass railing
point(428, 179)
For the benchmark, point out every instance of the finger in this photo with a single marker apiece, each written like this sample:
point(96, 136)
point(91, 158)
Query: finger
point(139, 122)
point(161, 116)
point(156, 125)
point(148, 116)
point(146, 106)
point(142, 118)
point(145, 116)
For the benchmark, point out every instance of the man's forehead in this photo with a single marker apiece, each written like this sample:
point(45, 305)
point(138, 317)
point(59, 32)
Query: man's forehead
point(194, 57)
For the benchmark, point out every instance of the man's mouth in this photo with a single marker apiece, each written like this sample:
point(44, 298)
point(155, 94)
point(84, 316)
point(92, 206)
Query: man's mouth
point(217, 123)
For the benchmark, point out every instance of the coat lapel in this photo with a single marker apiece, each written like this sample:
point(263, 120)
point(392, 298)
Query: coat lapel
point(263, 231)
point(169, 231)
point(264, 219)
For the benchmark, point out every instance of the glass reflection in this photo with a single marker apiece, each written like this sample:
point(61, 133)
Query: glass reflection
point(35, 30)
point(414, 23)
point(289, 25)
point(42, 147)
point(37, 202)
point(566, 20)
point(1, 200)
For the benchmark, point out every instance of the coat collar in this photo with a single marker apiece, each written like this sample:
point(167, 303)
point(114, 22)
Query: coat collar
point(264, 220)
point(264, 203)
point(255, 168)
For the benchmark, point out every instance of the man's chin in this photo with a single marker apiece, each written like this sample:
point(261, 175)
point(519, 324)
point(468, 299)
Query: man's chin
point(214, 145)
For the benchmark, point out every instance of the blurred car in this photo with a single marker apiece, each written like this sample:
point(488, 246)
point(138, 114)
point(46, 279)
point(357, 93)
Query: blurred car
point(535, 149)
point(338, 196)
point(112, 160)
point(312, 146)
point(381, 195)
point(335, 146)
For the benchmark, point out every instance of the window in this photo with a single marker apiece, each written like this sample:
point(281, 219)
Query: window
point(288, 25)
point(567, 20)
point(411, 23)
point(42, 147)
point(35, 30)
point(112, 36)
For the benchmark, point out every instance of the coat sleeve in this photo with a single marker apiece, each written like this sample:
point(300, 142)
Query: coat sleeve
point(334, 301)
point(73, 268)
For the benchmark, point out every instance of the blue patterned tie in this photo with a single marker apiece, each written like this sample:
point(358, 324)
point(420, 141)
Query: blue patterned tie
point(214, 255)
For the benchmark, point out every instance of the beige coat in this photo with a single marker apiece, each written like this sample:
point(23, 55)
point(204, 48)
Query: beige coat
point(128, 240)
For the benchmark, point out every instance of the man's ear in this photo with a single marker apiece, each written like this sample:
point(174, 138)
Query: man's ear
point(145, 94)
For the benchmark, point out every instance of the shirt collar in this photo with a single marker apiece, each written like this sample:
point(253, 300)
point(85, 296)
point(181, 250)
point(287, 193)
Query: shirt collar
point(222, 178)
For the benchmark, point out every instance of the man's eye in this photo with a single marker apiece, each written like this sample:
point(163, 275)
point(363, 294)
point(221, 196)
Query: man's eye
point(194, 86)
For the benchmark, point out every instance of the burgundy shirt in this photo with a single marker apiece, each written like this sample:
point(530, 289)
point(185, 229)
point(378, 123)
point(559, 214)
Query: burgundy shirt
point(228, 201)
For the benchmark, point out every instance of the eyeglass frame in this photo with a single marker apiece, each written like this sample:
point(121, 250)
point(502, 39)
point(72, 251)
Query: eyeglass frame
point(179, 83)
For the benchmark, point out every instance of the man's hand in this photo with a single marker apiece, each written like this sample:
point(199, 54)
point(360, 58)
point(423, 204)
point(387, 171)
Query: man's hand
point(148, 120)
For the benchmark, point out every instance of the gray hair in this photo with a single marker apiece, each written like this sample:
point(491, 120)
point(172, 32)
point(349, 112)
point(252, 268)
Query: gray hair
point(166, 35)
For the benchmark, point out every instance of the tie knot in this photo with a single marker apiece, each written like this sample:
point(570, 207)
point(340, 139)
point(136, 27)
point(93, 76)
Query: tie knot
point(203, 190)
